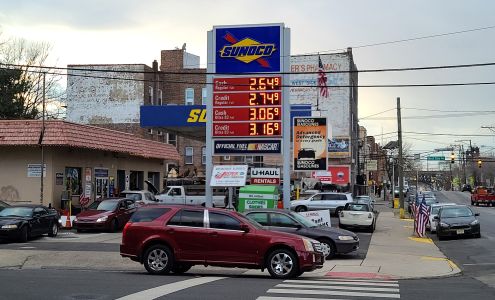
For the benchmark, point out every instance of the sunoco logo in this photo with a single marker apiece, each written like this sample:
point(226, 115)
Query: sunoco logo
point(247, 50)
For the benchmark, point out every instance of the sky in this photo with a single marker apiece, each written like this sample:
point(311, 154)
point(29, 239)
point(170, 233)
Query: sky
point(126, 31)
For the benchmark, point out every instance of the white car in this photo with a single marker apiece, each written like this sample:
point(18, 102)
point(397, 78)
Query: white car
point(434, 208)
point(141, 197)
point(334, 202)
point(359, 215)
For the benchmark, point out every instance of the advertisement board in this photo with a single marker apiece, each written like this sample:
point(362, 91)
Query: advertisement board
point(320, 217)
point(229, 175)
point(269, 176)
point(372, 165)
point(340, 175)
point(248, 49)
point(339, 147)
point(310, 144)
point(247, 147)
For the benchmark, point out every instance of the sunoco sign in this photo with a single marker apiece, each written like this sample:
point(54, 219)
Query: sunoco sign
point(265, 176)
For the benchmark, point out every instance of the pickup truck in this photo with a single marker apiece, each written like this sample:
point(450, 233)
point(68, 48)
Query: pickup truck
point(482, 195)
point(188, 195)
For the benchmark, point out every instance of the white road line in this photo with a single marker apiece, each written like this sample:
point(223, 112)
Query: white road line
point(345, 283)
point(294, 298)
point(331, 287)
point(359, 280)
point(480, 264)
point(333, 293)
point(169, 288)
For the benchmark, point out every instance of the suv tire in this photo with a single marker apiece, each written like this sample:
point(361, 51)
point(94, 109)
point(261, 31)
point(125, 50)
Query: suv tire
point(282, 264)
point(158, 260)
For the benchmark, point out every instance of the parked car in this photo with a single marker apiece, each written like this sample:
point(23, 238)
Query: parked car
point(21, 222)
point(333, 240)
point(366, 200)
point(110, 215)
point(434, 208)
point(358, 215)
point(457, 220)
point(176, 237)
point(187, 195)
point(140, 197)
point(3, 204)
point(334, 202)
point(466, 188)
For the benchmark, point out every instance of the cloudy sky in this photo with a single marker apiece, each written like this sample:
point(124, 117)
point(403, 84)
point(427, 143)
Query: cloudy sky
point(126, 31)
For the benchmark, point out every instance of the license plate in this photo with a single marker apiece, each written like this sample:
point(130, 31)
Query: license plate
point(460, 231)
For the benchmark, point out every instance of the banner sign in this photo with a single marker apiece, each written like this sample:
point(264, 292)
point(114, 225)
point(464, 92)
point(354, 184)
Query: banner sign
point(320, 217)
point(248, 49)
point(310, 144)
point(334, 175)
point(229, 175)
point(269, 176)
point(339, 146)
point(248, 147)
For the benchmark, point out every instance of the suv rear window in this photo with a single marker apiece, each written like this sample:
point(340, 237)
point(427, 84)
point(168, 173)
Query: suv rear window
point(148, 214)
point(191, 218)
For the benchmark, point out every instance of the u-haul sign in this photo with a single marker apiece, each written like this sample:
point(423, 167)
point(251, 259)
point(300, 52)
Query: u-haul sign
point(265, 176)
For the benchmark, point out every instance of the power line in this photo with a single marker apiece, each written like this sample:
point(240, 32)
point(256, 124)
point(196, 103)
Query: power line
point(448, 134)
point(377, 113)
point(477, 114)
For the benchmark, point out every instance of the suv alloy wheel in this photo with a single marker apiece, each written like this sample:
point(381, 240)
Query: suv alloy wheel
point(158, 260)
point(282, 264)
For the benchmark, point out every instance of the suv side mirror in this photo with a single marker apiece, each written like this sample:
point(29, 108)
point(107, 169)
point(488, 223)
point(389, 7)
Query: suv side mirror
point(245, 228)
point(476, 214)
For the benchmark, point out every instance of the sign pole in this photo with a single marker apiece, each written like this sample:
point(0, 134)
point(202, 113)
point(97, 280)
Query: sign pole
point(287, 122)
point(209, 117)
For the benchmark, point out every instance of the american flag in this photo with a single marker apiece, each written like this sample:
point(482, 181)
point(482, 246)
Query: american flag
point(322, 79)
point(421, 218)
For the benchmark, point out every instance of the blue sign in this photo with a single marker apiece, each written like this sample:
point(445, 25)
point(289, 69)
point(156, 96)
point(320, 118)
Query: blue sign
point(247, 49)
point(193, 115)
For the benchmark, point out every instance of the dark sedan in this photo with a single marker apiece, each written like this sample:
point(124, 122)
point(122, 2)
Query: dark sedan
point(110, 215)
point(333, 240)
point(20, 222)
point(457, 220)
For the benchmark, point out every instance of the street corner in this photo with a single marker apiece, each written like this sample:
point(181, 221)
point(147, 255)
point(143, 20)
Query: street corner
point(454, 268)
point(360, 275)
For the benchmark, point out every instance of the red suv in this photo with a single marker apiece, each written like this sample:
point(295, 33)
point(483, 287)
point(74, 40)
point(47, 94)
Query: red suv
point(174, 238)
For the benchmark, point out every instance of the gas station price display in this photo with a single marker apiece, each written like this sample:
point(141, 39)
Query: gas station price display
point(247, 106)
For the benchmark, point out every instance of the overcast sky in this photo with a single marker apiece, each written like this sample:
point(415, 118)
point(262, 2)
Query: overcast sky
point(125, 31)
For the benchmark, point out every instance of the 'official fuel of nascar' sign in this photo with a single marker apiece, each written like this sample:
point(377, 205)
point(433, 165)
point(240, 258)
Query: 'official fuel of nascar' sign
point(247, 104)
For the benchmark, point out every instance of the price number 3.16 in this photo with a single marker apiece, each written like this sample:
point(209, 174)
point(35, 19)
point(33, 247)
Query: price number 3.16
point(268, 128)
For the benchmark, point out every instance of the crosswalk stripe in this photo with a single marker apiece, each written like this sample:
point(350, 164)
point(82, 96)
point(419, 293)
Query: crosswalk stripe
point(331, 287)
point(333, 293)
point(385, 284)
point(358, 280)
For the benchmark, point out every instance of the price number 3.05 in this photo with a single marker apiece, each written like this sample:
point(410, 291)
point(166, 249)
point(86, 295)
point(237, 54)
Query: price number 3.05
point(264, 113)
point(268, 128)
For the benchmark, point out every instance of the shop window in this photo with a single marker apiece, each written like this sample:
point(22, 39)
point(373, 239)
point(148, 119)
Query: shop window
point(172, 139)
point(73, 180)
point(189, 96)
point(189, 156)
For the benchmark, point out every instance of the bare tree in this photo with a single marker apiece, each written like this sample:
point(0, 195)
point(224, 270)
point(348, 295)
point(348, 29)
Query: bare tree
point(29, 57)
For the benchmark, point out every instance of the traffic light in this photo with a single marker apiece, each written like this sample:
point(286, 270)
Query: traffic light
point(452, 158)
point(479, 163)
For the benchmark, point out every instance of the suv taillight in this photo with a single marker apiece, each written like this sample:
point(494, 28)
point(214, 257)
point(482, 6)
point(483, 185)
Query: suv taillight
point(125, 227)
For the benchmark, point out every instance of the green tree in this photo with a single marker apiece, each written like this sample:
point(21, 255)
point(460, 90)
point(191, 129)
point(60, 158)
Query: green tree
point(12, 95)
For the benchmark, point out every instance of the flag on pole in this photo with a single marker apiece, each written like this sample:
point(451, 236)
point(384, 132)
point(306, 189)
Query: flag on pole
point(421, 218)
point(322, 79)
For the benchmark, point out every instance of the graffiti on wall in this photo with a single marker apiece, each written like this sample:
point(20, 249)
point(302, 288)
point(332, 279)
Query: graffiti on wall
point(9, 193)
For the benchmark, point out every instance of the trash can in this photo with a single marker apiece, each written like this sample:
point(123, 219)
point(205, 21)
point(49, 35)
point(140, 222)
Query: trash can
point(396, 203)
point(257, 196)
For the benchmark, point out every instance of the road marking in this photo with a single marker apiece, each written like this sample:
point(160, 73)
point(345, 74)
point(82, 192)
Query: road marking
point(294, 298)
point(28, 247)
point(384, 283)
point(479, 264)
point(332, 287)
point(359, 280)
point(332, 293)
point(169, 288)
point(421, 240)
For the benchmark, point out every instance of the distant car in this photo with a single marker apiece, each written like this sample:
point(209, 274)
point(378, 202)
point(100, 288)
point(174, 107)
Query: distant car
point(140, 197)
point(434, 208)
point(357, 215)
point(110, 215)
point(21, 222)
point(366, 200)
point(175, 237)
point(457, 220)
point(306, 153)
point(3, 205)
point(466, 188)
point(333, 240)
point(334, 202)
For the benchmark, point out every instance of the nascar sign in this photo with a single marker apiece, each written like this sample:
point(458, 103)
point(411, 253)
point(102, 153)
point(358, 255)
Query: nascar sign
point(253, 49)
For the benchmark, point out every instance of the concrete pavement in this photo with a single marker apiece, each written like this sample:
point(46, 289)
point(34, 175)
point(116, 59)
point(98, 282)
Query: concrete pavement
point(393, 253)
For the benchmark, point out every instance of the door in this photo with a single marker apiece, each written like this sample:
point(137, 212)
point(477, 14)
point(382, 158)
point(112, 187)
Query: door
point(41, 222)
point(328, 201)
point(102, 188)
point(176, 196)
point(188, 232)
point(227, 243)
point(120, 182)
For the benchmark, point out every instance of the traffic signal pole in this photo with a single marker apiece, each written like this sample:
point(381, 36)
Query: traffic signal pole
point(401, 163)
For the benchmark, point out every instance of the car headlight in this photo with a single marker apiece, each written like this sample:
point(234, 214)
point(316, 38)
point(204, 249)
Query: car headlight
point(10, 226)
point(75, 220)
point(475, 222)
point(444, 225)
point(308, 245)
point(102, 219)
point(346, 238)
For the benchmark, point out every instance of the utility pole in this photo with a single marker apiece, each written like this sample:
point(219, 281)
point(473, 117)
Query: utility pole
point(401, 162)
point(41, 141)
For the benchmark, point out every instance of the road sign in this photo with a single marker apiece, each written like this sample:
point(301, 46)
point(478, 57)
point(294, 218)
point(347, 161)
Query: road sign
point(435, 158)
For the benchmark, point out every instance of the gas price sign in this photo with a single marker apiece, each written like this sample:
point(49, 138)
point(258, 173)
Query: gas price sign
point(247, 106)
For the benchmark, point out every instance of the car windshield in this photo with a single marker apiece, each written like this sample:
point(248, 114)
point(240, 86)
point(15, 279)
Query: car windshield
point(435, 209)
point(304, 221)
point(132, 196)
point(356, 207)
point(17, 212)
point(107, 205)
point(456, 212)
